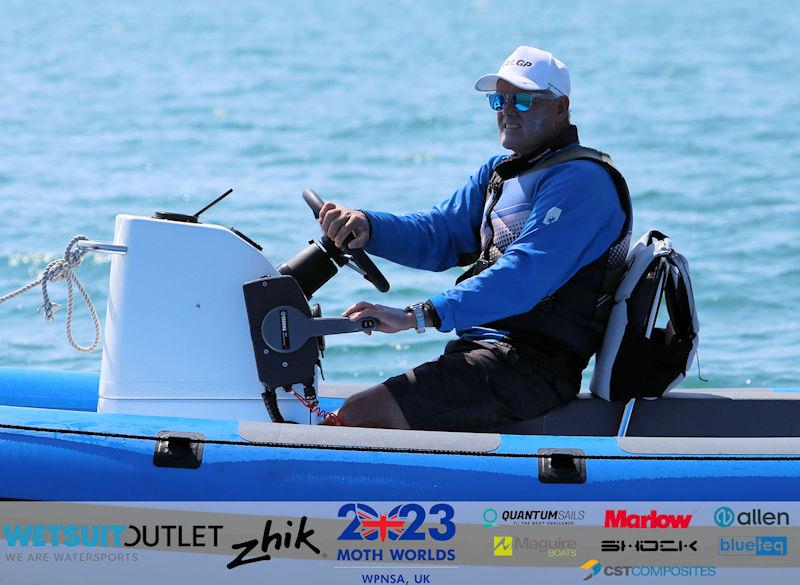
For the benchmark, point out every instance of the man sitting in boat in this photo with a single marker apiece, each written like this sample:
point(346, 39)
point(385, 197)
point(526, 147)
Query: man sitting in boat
point(547, 229)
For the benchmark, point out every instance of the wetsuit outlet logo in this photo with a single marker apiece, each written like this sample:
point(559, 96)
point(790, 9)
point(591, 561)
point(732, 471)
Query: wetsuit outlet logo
point(622, 519)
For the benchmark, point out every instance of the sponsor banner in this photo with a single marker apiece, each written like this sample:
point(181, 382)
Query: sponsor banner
point(634, 514)
point(393, 542)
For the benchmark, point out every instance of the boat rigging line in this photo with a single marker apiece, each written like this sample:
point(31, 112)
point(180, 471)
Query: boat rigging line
point(64, 268)
point(277, 445)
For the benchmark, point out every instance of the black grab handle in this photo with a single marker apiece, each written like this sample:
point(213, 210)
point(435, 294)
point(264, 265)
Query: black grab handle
point(561, 466)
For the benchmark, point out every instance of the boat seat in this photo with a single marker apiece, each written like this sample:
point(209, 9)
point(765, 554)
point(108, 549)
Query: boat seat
point(747, 417)
point(587, 416)
point(727, 413)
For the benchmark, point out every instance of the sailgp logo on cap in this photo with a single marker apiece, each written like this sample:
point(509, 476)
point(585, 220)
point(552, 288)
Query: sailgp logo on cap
point(517, 62)
point(552, 215)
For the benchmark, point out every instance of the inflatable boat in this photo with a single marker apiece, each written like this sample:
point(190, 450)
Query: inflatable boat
point(209, 390)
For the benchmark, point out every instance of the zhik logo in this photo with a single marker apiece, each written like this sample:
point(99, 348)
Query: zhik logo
point(592, 565)
point(274, 540)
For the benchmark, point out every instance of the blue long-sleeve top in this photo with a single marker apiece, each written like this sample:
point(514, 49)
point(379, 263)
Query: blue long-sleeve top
point(536, 264)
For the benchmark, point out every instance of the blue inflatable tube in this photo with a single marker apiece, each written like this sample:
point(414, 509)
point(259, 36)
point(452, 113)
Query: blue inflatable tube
point(67, 451)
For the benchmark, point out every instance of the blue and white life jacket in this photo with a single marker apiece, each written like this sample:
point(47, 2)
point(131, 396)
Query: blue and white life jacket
point(570, 322)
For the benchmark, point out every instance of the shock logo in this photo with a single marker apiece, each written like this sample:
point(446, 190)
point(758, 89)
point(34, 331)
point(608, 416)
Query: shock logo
point(402, 522)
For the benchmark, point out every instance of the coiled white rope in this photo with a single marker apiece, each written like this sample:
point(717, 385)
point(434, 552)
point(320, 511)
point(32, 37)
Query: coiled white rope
point(63, 268)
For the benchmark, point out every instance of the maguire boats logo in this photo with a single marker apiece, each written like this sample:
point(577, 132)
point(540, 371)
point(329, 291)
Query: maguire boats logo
point(504, 546)
point(401, 523)
point(623, 519)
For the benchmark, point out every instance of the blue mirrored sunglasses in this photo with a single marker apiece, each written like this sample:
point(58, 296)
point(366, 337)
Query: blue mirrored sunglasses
point(522, 101)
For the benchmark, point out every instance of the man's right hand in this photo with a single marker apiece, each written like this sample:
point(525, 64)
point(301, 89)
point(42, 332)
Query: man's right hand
point(339, 222)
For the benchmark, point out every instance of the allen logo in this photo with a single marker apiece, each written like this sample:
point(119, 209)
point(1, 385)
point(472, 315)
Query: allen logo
point(503, 546)
point(725, 516)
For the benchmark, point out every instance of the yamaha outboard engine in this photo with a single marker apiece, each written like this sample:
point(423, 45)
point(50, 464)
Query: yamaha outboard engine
point(179, 335)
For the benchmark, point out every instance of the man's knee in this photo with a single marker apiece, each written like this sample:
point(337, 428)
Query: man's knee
point(374, 407)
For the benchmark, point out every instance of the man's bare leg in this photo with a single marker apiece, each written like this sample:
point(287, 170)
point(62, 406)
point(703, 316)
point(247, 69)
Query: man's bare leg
point(374, 407)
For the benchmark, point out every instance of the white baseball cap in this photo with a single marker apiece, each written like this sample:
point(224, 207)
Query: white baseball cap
point(531, 69)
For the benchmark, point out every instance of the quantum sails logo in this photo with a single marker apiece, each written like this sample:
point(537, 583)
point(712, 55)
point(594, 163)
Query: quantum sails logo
point(402, 528)
point(533, 517)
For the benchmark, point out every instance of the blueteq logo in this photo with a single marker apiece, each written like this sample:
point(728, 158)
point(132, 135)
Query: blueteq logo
point(761, 546)
point(402, 522)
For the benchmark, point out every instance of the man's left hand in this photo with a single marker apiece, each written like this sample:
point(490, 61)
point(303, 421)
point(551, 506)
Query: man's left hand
point(389, 320)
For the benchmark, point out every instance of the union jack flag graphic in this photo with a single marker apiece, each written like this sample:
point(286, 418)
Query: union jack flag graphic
point(373, 524)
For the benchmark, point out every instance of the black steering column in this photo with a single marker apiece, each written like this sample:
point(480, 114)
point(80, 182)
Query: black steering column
point(317, 263)
point(287, 334)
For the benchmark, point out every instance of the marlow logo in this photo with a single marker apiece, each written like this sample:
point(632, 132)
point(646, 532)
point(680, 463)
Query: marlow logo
point(621, 519)
point(503, 546)
point(593, 566)
point(725, 516)
point(552, 215)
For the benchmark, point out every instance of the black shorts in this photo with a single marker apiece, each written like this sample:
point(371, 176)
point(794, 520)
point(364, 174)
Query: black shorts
point(478, 387)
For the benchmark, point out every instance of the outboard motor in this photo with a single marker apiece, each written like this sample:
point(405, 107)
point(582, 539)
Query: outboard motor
point(177, 335)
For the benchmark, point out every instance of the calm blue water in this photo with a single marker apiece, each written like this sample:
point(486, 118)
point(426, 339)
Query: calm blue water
point(109, 107)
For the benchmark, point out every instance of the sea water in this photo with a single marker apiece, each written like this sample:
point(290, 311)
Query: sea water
point(110, 107)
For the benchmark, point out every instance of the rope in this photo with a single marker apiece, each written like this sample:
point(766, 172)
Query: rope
point(276, 445)
point(63, 268)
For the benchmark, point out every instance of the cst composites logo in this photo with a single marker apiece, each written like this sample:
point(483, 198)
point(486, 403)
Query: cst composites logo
point(725, 516)
point(401, 523)
point(593, 568)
